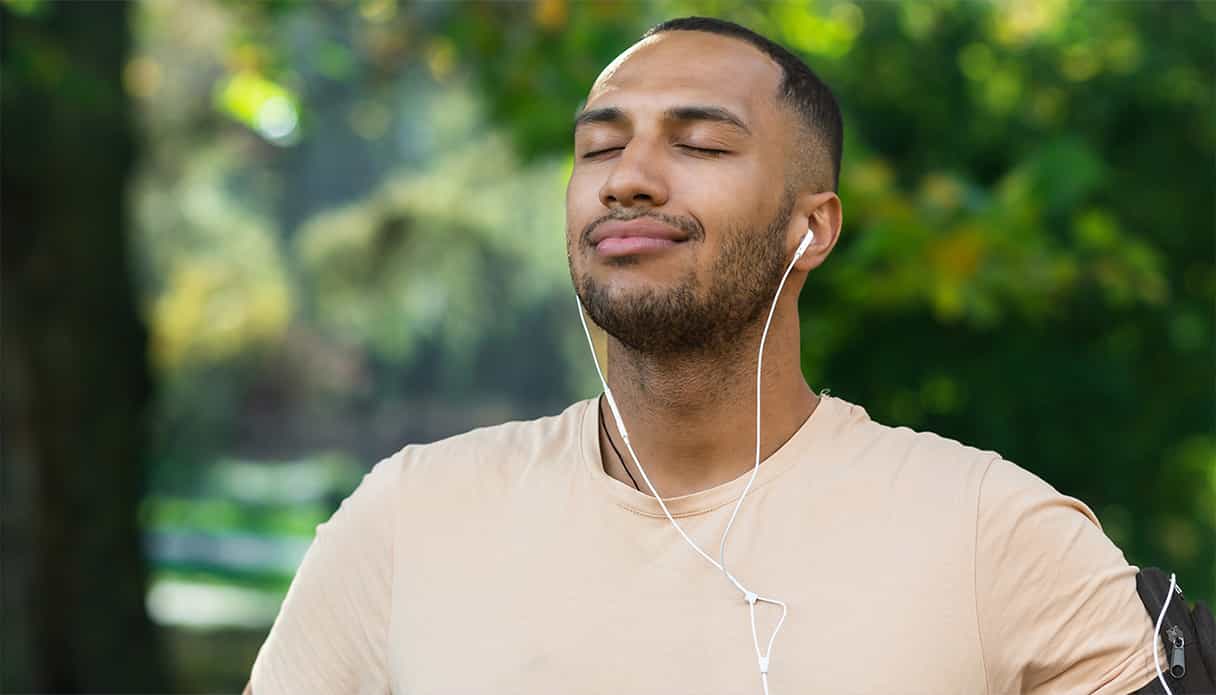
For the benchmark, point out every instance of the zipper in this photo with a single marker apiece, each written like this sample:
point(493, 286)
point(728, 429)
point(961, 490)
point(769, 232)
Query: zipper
point(1177, 660)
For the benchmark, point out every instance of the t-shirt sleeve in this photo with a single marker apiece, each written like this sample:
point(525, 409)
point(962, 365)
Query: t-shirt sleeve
point(332, 630)
point(1056, 599)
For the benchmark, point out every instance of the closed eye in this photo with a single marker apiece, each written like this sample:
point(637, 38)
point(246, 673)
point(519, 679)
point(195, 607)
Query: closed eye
point(703, 150)
point(596, 153)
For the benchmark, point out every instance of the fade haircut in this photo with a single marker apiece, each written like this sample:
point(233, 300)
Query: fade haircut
point(800, 89)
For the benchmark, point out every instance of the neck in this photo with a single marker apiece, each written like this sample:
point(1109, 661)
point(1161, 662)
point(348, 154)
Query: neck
point(692, 418)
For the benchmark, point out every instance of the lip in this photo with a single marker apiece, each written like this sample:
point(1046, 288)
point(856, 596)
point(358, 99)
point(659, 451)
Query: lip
point(642, 227)
point(633, 237)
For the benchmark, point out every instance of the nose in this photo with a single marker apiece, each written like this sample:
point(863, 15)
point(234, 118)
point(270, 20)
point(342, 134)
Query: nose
point(636, 179)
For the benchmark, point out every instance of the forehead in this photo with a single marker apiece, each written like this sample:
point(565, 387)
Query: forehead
point(690, 66)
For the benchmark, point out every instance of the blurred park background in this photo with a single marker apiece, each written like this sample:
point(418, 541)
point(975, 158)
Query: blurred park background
point(250, 248)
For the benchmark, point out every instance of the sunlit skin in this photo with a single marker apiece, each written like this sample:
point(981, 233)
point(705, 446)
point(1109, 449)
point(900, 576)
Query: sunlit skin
point(647, 123)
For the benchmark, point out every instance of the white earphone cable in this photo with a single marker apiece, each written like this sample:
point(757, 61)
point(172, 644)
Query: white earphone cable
point(1157, 636)
point(616, 415)
point(756, 469)
point(749, 596)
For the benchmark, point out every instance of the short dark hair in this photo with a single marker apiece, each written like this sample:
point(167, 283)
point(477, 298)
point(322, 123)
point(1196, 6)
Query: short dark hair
point(800, 87)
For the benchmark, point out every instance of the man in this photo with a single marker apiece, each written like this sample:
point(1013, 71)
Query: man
point(527, 558)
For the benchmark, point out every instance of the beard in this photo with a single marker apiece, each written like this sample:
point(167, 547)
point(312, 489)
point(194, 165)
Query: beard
point(690, 319)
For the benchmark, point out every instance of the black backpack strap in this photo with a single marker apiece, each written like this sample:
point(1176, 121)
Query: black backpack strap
point(1188, 636)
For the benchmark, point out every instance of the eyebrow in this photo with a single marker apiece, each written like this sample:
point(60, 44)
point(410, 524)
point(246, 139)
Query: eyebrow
point(713, 114)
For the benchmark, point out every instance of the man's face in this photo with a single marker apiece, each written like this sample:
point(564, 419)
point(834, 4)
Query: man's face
point(677, 210)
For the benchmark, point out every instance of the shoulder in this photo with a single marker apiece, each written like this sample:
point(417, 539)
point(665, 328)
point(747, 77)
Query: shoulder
point(999, 487)
point(911, 455)
point(506, 440)
point(1013, 499)
point(1003, 497)
point(486, 457)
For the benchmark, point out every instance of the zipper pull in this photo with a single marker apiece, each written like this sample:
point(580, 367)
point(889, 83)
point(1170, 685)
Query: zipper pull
point(1177, 652)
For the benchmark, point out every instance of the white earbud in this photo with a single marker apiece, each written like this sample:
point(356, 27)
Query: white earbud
point(807, 239)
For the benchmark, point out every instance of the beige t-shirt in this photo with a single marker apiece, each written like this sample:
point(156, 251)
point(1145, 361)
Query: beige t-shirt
point(505, 560)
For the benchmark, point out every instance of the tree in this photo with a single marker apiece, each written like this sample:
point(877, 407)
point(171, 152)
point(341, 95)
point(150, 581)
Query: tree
point(75, 375)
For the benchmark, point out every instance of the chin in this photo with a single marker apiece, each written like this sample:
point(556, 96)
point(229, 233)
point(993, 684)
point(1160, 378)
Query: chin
point(633, 286)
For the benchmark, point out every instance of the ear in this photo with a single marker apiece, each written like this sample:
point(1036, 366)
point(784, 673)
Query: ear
point(821, 213)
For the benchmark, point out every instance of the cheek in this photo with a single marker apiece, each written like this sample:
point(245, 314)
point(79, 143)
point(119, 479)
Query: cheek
point(582, 205)
point(583, 187)
point(736, 187)
point(723, 210)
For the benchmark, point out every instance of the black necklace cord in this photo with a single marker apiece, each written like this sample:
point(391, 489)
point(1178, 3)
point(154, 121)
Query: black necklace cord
point(600, 408)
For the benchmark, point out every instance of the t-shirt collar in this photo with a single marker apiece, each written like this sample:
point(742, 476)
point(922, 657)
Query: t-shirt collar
point(809, 437)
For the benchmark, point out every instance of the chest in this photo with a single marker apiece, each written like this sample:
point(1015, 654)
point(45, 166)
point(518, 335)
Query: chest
point(574, 605)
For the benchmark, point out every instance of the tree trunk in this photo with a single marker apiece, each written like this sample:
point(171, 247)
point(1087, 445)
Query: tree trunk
point(75, 375)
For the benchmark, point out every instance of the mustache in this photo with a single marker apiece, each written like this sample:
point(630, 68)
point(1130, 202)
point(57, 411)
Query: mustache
point(685, 224)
